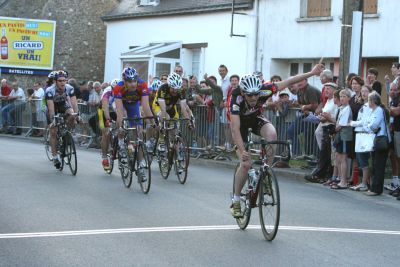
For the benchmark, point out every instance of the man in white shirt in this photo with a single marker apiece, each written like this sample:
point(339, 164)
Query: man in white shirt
point(225, 84)
point(36, 101)
point(12, 113)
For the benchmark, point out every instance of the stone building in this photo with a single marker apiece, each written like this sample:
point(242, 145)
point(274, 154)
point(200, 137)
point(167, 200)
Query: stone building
point(80, 34)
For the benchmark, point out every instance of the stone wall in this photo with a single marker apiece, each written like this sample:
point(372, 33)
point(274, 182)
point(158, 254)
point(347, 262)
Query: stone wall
point(80, 34)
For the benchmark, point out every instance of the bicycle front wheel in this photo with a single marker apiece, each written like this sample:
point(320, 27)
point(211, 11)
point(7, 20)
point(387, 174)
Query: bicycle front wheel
point(243, 221)
point(47, 146)
point(144, 171)
point(124, 168)
point(112, 153)
point(70, 153)
point(181, 160)
point(269, 204)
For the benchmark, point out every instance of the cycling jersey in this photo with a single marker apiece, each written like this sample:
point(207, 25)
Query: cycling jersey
point(238, 105)
point(131, 98)
point(170, 100)
point(107, 95)
point(251, 117)
point(60, 98)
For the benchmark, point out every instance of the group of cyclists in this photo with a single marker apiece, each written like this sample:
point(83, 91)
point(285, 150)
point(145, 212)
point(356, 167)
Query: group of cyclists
point(130, 97)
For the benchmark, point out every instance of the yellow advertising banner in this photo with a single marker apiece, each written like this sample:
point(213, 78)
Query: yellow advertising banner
point(27, 43)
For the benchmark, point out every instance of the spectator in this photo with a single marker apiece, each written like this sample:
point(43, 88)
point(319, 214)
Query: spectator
point(343, 138)
point(76, 87)
point(12, 112)
point(164, 77)
point(260, 76)
point(356, 102)
point(327, 124)
point(378, 123)
point(225, 84)
point(326, 76)
point(234, 80)
point(394, 147)
point(214, 96)
point(348, 80)
point(272, 102)
point(179, 70)
point(308, 99)
point(85, 91)
point(361, 127)
point(192, 91)
point(38, 116)
point(4, 92)
point(372, 77)
point(94, 95)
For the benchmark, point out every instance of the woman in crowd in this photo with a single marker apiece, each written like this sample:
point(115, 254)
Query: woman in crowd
point(361, 127)
point(378, 123)
point(343, 138)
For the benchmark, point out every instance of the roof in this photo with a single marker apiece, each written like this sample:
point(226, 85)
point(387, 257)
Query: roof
point(129, 9)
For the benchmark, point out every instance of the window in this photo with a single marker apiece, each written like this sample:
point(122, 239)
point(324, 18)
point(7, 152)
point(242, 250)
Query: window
point(142, 67)
point(294, 69)
point(307, 67)
point(148, 2)
point(318, 8)
point(370, 6)
point(196, 62)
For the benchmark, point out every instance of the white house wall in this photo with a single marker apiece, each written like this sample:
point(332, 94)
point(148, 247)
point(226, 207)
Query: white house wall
point(214, 28)
point(285, 38)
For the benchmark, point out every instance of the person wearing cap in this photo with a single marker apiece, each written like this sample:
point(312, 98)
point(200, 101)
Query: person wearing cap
point(327, 122)
point(259, 75)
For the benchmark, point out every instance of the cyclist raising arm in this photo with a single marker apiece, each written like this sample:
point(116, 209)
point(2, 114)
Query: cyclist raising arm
point(246, 108)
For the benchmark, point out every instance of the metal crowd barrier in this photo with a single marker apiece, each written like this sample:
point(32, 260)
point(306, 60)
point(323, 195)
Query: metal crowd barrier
point(210, 139)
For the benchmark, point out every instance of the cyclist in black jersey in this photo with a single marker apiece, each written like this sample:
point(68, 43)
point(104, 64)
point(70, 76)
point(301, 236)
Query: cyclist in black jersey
point(246, 109)
point(60, 98)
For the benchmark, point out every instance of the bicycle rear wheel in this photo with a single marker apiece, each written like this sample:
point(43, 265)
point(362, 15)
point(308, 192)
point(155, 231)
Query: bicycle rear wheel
point(46, 142)
point(70, 157)
point(269, 204)
point(145, 170)
point(181, 160)
point(244, 204)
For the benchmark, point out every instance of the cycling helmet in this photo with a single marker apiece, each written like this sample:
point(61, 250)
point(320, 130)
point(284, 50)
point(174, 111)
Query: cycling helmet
point(129, 73)
point(60, 73)
point(174, 80)
point(250, 84)
point(52, 74)
point(114, 82)
point(156, 84)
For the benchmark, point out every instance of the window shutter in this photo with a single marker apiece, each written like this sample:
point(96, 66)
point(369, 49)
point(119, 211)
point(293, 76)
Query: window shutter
point(318, 8)
point(370, 6)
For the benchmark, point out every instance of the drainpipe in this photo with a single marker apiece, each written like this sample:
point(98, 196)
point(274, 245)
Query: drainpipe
point(257, 7)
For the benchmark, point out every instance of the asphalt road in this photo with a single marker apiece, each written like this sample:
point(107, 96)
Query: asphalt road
point(51, 218)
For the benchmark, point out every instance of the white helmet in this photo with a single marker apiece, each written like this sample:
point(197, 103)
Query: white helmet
point(250, 84)
point(156, 84)
point(114, 82)
point(174, 80)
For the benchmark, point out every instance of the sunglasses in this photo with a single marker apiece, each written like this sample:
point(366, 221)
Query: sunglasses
point(62, 81)
point(252, 94)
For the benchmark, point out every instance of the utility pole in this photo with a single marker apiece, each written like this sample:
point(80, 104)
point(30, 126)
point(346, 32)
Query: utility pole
point(345, 45)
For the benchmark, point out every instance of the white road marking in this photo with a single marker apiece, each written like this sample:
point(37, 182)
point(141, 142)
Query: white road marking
point(189, 228)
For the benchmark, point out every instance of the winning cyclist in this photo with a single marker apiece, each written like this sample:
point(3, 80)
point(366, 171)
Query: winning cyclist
point(246, 109)
point(167, 97)
point(60, 98)
point(109, 114)
point(129, 94)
